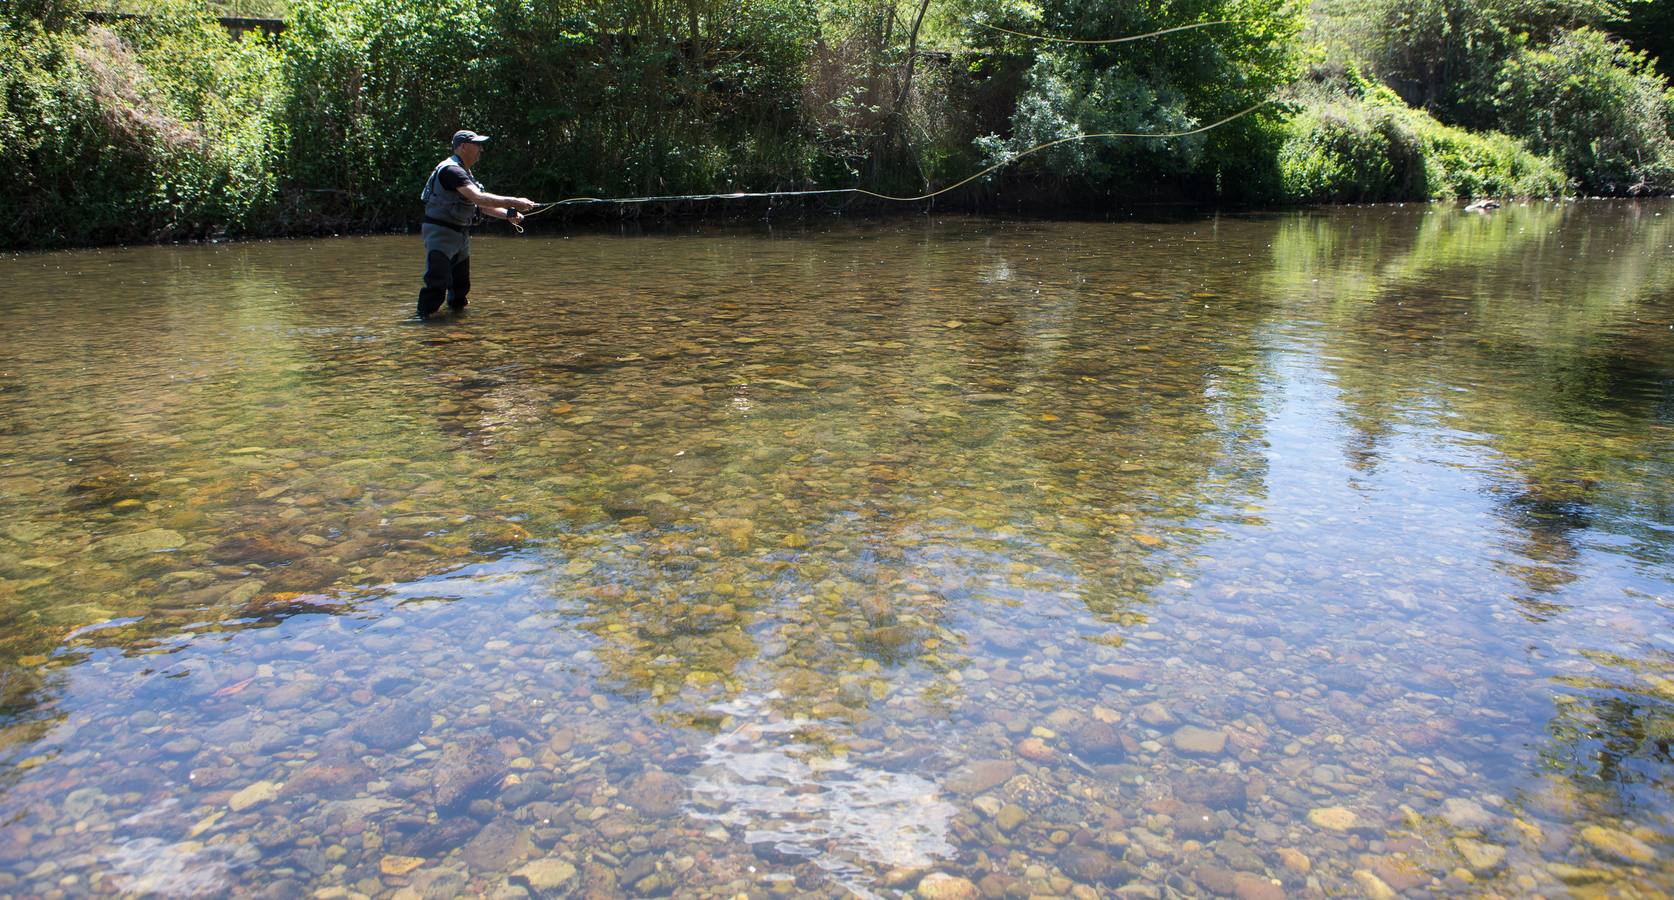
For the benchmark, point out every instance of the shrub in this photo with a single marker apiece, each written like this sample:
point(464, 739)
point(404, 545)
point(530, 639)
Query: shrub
point(1599, 107)
point(1345, 152)
point(372, 92)
point(1355, 140)
point(1534, 69)
point(1443, 56)
point(1460, 163)
point(150, 131)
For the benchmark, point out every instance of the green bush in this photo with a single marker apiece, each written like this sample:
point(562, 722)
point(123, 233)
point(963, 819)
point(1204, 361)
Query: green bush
point(148, 131)
point(1444, 56)
point(1343, 152)
point(371, 93)
point(1354, 140)
point(1599, 107)
point(1537, 70)
point(1460, 163)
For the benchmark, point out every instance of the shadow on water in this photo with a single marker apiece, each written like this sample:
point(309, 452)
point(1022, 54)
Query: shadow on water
point(1055, 556)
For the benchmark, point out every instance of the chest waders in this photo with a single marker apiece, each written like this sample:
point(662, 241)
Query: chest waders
point(448, 218)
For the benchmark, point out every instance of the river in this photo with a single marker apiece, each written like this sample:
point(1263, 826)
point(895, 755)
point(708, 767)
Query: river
point(1286, 554)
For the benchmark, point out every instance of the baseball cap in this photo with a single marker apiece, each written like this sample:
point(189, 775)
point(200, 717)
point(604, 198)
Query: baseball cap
point(468, 137)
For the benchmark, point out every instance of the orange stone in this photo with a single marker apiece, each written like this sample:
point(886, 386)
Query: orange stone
point(399, 865)
point(1036, 750)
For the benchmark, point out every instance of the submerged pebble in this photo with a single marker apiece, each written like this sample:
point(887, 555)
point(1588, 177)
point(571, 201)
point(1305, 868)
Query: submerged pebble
point(998, 560)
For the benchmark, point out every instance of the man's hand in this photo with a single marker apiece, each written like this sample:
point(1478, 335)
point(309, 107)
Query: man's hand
point(513, 215)
point(524, 204)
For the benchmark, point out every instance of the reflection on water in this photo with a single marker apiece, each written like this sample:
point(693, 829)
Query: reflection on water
point(1309, 554)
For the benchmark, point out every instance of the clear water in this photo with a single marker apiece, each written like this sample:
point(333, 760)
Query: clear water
point(1277, 555)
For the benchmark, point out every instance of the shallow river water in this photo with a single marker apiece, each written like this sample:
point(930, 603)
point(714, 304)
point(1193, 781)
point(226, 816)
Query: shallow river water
point(1304, 554)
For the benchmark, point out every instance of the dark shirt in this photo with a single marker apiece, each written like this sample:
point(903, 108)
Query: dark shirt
point(454, 177)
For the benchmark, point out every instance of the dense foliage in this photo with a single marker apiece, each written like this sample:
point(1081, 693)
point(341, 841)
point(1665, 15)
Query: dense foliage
point(1353, 140)
point(1648, 25)
point(579, 100)
point(1445, 55)
point(1539, 70)
point(1597, 106)
point(155, 129)
point(161, 126)
point(1171, 83)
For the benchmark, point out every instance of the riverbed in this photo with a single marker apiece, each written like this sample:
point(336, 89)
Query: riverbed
point(1287, 554)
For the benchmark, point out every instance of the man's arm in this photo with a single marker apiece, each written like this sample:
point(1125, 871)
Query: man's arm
point(496, 212)
point(487, 202)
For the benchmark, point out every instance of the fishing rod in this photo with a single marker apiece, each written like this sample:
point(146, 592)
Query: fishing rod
point(863, 192)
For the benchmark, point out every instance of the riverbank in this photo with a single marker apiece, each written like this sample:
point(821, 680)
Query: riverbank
point(164, 127)
point(642, 220)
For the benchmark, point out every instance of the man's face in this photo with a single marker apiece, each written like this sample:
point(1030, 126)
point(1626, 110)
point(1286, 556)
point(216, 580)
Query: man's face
point(469, 153)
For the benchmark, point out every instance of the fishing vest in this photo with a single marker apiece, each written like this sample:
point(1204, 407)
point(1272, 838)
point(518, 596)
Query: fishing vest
point(448, 206)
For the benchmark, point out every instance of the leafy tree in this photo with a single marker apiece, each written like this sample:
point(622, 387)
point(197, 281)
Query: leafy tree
point(635, 97)
point(1538, 70)
point(1648, 25)
point(1598, 106)
point(1170, 83)
point(150, 129)
point(1444, 55)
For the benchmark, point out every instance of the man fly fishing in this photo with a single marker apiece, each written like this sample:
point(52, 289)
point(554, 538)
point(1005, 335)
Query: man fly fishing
point(453, 200)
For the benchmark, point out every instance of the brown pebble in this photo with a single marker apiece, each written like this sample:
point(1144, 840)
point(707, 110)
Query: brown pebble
point(1036, 750)
point(941, 886)
point(1249, 886)
point(1295, 860)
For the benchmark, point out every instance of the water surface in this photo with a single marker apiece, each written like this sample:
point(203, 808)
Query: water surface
point(1278, 555)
